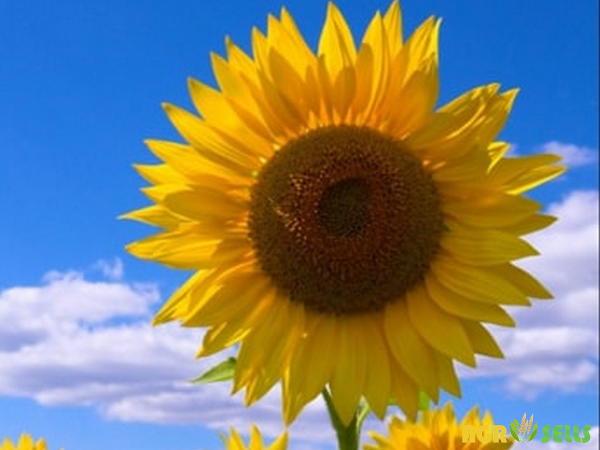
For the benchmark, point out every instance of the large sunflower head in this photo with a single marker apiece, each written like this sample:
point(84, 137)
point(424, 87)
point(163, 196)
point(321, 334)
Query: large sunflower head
point(438, 430)
point(235, 442)
point(26, 442)
point(344, 233)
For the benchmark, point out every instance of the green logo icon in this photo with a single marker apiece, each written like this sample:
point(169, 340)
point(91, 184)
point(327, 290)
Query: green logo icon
point(525, 432)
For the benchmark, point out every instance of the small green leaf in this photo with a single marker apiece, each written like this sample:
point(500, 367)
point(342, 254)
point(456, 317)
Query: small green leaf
point(513, 428)
point(224, 371)
point(532, 435)
point(424, 401)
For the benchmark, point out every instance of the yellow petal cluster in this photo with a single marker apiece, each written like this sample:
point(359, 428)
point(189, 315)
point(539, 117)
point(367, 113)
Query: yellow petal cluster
point(26, 442)
point(436, 430)
point(235, 442)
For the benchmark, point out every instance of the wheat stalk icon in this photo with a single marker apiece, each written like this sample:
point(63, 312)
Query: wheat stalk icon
point(524, 433)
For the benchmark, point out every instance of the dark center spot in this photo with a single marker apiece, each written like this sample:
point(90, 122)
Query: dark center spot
point(344, 220)
point(344, 207)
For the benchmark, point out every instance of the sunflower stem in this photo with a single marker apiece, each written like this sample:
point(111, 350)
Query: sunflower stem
point(348, 437)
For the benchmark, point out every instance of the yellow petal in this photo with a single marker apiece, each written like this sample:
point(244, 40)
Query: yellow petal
point(25, 442)
point(204, 203)
point(160, 174)
point(188, 162)
point(179, 302)
point(450, 131)
point(154, 215)
point(349, 374)
point(491, 211)
point(177, 249)
point(481, 247)
point(337, 48)
point(240, 294)
point(417, 99)
point(300, 385)
point(409, 349)
point(481, 339)
point(497, 150)
point(462, 177)
point(477, 284)
point(283, 112)
point(458, 305)
point(209, 144)
point(441, 330)
point(392, 22)
point(280, 443)
point(405, 391)
point(217, 111)
point(378, 382)
point(262, 339)
point(447, 375)
point(372, 74)
point(245, 69)
point(518, 175)
point(523, 281)
point(277, 359)
point(530, 224)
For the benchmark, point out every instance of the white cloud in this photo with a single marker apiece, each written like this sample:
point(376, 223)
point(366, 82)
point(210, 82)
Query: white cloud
point(111, 270)
point(72, 341)
point(555, 346)
point(573, 155)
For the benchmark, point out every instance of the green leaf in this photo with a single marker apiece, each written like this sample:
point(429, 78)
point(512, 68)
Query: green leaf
point(532, 435)
point(513, 429)
point(224, 371)
point(424, 401)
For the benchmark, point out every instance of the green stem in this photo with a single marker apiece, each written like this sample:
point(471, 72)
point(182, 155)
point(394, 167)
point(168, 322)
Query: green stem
point(348, 437)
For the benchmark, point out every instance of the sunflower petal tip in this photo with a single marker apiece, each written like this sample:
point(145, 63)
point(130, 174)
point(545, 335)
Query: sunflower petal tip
point(168, 107)
point(192, 82)
point(332, 8)
point(160, 319)
point(124, 216)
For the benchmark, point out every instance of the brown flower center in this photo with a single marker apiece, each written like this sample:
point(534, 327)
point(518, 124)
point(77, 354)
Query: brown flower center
point(345, 220)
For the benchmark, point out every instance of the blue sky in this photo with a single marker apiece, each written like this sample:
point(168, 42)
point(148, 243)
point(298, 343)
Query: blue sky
point(82, 86)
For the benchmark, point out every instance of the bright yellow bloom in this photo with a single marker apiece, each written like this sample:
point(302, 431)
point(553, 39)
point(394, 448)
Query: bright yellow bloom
point(438, 430)
point(235, 442)
point(25, 443)
point(344, 233)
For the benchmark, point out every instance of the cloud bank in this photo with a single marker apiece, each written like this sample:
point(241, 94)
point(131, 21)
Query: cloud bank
point(72, 340)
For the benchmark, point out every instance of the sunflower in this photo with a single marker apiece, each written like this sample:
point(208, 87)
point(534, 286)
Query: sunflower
point(439, 430)
point(345, 234)
point(25, 443)
point(235, 442)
